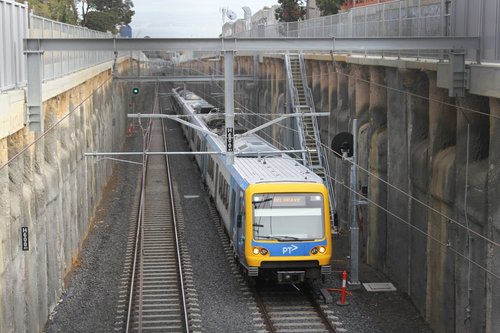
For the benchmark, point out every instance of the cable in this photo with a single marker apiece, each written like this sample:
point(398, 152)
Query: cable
point(418, 201)
point(52, 126)
point(395, 187)
point(446, 245)
point(386, 87)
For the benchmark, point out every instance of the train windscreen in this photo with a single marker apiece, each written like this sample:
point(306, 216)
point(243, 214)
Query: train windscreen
point(288, 216)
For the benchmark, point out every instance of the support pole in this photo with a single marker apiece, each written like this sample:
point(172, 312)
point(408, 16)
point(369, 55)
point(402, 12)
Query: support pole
point(34, 92)
point(229, 105)
point(354, 276)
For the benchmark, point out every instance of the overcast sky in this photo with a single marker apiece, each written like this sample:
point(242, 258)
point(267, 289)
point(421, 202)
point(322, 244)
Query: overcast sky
point(186, 18)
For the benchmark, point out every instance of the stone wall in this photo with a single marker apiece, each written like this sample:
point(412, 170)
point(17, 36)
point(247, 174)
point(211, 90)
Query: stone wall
point(52, 189)
point(431, 165)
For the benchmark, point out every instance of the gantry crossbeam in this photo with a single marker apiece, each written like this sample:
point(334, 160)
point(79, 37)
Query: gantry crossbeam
point(35, 47)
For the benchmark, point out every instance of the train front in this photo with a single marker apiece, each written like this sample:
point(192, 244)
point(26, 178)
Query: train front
point(288, 232)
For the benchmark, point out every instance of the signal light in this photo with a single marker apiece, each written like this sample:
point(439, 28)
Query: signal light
point(135, 90)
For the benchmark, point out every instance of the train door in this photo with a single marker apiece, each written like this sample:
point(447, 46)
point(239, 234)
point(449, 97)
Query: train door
point(216, 183)
point(240, 226)
point(233, 211)
point(203, 158)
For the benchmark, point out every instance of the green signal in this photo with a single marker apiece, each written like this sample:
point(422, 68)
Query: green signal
point(135, 91)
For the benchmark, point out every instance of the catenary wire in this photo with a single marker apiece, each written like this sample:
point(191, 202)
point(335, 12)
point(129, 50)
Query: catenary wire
point(386, 182)
point(19, 153)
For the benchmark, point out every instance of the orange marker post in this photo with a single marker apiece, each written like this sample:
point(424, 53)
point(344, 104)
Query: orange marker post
point(342, 301)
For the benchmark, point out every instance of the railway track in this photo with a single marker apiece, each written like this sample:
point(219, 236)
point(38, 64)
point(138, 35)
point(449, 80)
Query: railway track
point(158, 294)
point(280, 308)
point(287, 308)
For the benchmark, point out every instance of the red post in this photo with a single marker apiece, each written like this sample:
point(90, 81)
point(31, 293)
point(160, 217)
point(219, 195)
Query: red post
point(342, 301)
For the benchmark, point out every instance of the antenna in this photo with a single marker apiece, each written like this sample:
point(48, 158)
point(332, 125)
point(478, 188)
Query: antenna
point(248, 12)
point(231, 15)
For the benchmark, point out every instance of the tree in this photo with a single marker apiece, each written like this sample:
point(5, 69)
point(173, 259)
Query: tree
point(290, 10)
point(329, 7)
point(63, 11)
point(106, 15)
point(57, 10)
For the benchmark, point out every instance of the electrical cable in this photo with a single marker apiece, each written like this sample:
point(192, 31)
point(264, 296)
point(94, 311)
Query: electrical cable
point(19, 153)
point(446, 245)
point(393, 186)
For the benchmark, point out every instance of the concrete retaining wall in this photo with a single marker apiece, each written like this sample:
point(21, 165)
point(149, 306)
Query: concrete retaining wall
point(432, 164)
point(52, 189)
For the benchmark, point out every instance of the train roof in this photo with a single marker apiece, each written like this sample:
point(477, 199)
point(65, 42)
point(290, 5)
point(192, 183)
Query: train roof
point(259, 163)
point(272, 169)
point(253, 145)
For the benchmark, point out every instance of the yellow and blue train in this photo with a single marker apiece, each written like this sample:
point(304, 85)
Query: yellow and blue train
point(275, 210)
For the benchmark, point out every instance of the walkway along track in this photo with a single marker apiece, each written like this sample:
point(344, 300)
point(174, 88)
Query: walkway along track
point(160, 295)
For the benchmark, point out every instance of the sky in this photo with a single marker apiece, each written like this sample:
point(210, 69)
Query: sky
point(186, 18)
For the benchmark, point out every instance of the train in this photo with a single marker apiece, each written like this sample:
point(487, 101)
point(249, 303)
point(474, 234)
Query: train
point(275, 211)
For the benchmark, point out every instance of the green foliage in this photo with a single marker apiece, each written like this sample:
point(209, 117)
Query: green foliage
point(57, 10)
point(329, 7)
point(106, 15)
point(290, 10)
point(63, 11)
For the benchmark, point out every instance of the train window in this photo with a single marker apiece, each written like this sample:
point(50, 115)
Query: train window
point(219, 186)
point(210, 167)
point(233, 201)
point(242, 203)
point(290, 216)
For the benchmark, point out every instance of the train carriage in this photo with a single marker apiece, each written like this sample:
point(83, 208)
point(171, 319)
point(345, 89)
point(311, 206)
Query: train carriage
point(275, 210)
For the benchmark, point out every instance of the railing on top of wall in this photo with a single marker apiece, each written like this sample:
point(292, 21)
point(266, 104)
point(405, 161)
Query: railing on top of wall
point(387, 19)
point(13, 28)
point(59, 63)
point(408, 18)
point(16, 23)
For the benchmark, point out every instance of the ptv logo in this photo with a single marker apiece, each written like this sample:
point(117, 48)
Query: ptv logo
point(289, 249)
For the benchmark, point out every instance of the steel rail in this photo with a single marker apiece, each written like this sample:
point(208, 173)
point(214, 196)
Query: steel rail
point(140, 220)
point(176, 234)
point(263, 311)
point(324, 318)
point(285, 305)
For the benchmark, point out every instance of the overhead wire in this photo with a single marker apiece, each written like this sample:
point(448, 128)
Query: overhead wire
point(429, 236)
point(51, 127)
point(446, 245)
point(451, 220)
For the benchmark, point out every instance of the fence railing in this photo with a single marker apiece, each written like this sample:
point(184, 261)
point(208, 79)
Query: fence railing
point(388, 19)
point(59, 63)
point(16, 23)
point(13, 28)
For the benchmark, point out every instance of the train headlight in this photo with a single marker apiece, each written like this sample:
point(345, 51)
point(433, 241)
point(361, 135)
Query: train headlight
point(260, 250)
point(318, 249)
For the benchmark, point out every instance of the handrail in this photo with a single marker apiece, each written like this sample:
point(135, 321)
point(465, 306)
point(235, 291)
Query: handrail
point(295, 107)
point(322, 155)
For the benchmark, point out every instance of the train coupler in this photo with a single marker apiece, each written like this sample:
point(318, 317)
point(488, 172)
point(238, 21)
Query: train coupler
point(291, 276)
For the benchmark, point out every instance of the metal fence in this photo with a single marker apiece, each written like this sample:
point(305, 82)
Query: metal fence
point(13, 28)
point(405, 18)
point(387, 19)
point(59, 63)
point(16, 24)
